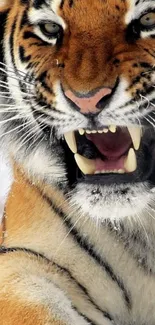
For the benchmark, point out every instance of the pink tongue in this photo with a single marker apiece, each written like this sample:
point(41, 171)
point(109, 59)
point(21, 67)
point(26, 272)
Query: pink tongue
point(111, 145)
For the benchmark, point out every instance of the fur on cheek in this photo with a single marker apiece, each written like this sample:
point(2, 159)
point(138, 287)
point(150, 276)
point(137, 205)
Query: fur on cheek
point(6, 179)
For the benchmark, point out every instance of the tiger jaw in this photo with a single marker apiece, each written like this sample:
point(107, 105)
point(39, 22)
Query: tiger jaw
point(122, 160)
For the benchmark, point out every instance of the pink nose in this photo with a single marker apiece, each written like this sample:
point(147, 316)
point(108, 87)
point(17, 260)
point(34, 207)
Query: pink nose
point(88, 105)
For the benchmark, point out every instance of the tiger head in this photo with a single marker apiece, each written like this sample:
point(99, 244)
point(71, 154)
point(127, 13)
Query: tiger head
point(78, 110)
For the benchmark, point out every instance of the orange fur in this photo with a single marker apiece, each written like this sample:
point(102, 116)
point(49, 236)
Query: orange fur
point(24, 224)
point(31, 217)
point(6, 4)
point(96, 36)
point(15, 312)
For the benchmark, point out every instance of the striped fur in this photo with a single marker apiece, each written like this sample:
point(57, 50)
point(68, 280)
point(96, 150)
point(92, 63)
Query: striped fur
point(84, 255)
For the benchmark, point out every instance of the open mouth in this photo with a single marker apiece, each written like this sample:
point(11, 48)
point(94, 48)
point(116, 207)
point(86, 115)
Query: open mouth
point(112, 155)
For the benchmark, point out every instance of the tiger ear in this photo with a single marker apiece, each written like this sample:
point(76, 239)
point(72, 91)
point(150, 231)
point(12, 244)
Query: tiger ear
point(5, 5)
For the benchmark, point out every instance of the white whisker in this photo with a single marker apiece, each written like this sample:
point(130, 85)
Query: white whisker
point(11, 70)
point(70, 230)
point(143, 227)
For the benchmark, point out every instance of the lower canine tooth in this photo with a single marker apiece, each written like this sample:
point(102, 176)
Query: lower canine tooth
point(130, 164)
point(87, 166)
point(70, 139)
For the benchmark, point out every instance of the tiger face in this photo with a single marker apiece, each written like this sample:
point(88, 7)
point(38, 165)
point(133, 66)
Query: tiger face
point(81, 77)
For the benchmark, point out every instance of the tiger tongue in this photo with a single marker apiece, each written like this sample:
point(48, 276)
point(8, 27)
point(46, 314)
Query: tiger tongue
point(111, 145)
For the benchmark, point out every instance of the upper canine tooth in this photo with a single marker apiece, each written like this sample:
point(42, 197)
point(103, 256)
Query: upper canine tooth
point(81, 131)
point(112, 128)
point(135, 133)
point(131, 161)
point(70, 139)
point(87, 166)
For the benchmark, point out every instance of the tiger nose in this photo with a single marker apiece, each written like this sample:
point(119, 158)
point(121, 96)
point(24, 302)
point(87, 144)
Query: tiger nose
point(87, 104)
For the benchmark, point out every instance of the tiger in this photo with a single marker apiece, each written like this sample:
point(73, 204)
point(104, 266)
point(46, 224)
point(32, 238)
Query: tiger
point(77, 123)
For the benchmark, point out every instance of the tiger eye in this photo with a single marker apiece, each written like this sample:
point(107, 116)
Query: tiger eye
point(148, 20)
point(51, 28)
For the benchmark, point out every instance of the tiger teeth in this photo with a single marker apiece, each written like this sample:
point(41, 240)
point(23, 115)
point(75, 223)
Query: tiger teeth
point(70, 139)
point(105, 130)
point(115, 171)
point(87, 166)
point(121, 171)
point(136, 134)
point(130, 164)
point(111, 128)
point(81, 131)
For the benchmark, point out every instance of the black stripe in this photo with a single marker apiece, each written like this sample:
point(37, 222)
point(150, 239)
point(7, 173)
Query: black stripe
point(22, 55)
point(86, 318)
point(24, 19)
point(5, 250)
point(108, 268)
point(71, 3)
point(11, 42)
point(38, 3)
point(29, 34)
point(24, 2)
point(3, 19)
point(62, 4)
point(145, 65)
point(149, 52)
point(42, 79)
point(91, 251)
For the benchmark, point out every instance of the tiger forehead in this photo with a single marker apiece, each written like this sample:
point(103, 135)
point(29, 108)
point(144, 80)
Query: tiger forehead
point(124, 10)
point(86, 6)
point(119, 4)
point(82, 4)
point(92, 14)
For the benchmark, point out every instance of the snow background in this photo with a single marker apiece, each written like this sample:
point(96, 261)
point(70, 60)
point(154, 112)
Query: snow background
point(5, 181)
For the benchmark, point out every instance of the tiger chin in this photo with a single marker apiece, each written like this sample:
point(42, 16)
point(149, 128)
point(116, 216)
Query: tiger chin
point(77, 96)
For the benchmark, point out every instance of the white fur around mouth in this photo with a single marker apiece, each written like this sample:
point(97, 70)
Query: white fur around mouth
point(87, 166)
